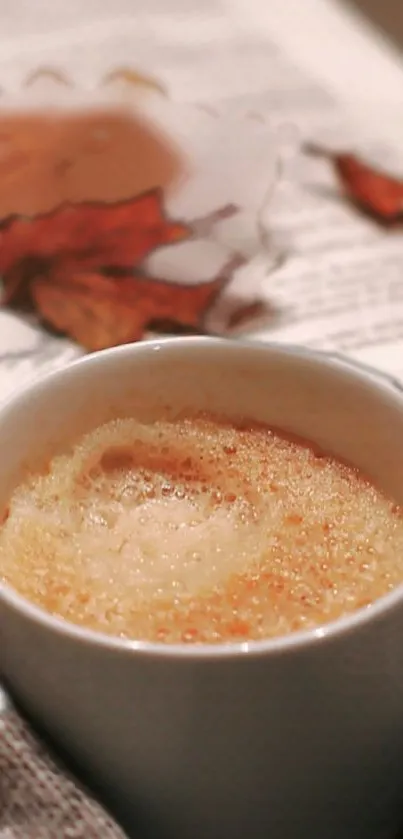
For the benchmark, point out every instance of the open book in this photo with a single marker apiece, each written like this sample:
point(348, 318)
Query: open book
point(332, 279)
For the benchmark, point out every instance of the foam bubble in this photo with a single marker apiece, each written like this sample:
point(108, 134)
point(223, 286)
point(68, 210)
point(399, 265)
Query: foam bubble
point(198, 530)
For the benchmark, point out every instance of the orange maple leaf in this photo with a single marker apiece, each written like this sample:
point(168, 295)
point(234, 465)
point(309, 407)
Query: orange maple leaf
point(376, 192)
point(95, 235)
point(102, 311)
point(79, 268)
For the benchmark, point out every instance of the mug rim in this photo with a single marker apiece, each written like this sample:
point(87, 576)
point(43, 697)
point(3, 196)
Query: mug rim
point(289, 643)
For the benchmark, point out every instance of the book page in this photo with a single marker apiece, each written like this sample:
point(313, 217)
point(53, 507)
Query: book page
point(340, 288)
point(330, 278)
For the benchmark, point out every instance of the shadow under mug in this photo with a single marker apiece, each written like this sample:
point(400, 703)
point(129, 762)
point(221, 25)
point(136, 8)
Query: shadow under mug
point(288, 738)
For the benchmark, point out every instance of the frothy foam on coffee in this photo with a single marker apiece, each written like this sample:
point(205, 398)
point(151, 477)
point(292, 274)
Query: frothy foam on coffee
point(199, 530)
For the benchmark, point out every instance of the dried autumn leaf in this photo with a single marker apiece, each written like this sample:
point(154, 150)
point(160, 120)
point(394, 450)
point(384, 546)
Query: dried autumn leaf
point(376, 192)
point(92, 234)
point(80, 269)
point(15, 288)
point(103, 311)
point(246, 312)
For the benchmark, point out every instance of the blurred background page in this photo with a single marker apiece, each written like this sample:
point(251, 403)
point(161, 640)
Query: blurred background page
point(213, 106)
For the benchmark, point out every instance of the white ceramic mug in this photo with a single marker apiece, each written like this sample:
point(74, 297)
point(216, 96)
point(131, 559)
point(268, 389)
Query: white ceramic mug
point(289, 738)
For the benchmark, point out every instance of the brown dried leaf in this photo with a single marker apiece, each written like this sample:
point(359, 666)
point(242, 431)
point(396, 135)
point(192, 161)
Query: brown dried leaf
point(92, 234)
point(79, 268)
point(376, 192)
point(103, 311)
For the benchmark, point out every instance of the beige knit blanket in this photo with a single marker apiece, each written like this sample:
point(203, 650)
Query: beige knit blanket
point(38, 798)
